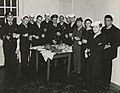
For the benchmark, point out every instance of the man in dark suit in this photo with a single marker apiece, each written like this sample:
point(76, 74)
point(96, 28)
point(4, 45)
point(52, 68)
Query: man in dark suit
point(36, 31)
point(62, 28)
point(25, 41)
point(110, 52)
point(45, 26)
point(54, 34)
point(9, 36)
point(72, 26)
point(37, 39)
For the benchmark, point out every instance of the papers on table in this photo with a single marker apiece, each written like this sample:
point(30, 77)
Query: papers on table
point(37, 47)
point(48, 53)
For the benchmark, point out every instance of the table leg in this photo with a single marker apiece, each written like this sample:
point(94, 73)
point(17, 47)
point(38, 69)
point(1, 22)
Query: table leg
point(68, 67)
point(36, 61)
point(55, 63)
point(48, 69)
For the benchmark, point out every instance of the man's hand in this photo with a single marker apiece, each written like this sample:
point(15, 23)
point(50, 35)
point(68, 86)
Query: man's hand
point(8, 37)
point(79, 43)
point(107, 46)
point(30, 37)
point(70, 34)
point(25, 35)
point(58, 34)
point(66, 36)
point(84, 41)
point(77, 38)
point(16, 35)
point(54, 41)
point(36, 37)
point(43, 35)
point(86, 52)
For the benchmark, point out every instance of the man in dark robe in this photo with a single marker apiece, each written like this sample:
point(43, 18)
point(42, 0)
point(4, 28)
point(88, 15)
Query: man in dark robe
point(110, 52)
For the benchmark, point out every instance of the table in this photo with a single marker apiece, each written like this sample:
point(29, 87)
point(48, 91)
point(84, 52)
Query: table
point(56, 56)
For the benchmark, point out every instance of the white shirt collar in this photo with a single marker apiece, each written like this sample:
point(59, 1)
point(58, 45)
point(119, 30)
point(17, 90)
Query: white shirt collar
point(38, 25)
point(72, 24)
point(97, 34)
point(10, 23)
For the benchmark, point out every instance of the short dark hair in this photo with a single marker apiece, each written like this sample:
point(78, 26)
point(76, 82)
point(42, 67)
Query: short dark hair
point(79, 19)
point(108, 16)
point(87, 20)
point(39, 16)
point(100, 25)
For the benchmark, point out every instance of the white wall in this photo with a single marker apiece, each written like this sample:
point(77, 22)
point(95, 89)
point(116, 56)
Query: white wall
point(36, 7)
point(116, 69)
point(44, 6)
point(96, 9)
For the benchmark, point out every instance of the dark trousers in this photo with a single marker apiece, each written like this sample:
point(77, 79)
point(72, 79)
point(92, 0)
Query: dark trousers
point(107, 71)
point(83, 66)
point(9, 48)
point(83, 69)
point(25, 50)
point(93, 74)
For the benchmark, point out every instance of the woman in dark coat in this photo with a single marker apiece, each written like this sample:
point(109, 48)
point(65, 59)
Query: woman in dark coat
point(77, 37)
point(87, 35)
point(94, 52)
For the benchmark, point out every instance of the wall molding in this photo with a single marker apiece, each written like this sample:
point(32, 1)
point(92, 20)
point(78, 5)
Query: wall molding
point(115, 86)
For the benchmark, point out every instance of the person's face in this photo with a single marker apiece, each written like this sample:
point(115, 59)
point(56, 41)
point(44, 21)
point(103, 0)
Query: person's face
point(54, 20)
point(96, 29)
point(87, 24)
point(47, 17)
point(25, 21)
point(39, 20)
point(10, 18)
point(79, 23)
point(61, 19)
point(72, 19)
point(68, 19)
point(107, 21)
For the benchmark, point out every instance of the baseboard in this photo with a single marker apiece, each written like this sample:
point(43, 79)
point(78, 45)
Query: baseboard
point(115, 86)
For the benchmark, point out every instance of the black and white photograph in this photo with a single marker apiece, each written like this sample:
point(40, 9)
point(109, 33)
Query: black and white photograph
point(59, 46)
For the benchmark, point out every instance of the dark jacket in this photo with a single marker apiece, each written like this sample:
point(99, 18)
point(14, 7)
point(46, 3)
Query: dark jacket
point(36, 31)
point(7, 30)
point(113, 37)
point(63, 29)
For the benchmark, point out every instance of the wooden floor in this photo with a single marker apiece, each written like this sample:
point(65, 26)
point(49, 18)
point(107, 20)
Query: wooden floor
point(31, 82)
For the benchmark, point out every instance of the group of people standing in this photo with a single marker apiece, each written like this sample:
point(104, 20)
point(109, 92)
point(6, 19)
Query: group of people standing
point(94, 46)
